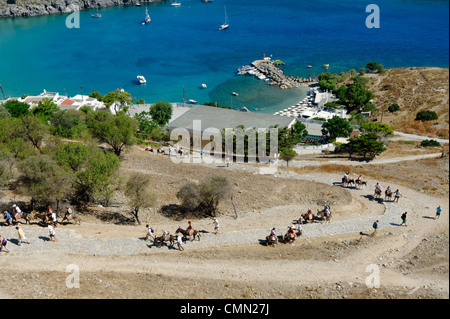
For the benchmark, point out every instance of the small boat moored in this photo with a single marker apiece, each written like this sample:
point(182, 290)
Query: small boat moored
point(193, 101)
point(141, 79)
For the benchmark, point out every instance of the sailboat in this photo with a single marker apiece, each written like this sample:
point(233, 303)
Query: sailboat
point(176, 4)
point(225, 25)
point(147, 17)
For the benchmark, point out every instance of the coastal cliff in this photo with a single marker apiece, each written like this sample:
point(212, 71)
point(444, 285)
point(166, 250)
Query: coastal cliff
point(31, 8)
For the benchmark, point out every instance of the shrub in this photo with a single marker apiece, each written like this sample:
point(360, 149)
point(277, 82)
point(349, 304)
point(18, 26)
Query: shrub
point(426, 116)
point(370, 107)
point(203, 198)
point(393, 108)
point(430, 143)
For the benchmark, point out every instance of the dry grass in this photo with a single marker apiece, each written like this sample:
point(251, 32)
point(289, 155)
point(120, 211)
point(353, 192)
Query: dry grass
point(429, 175)
point(414, 89)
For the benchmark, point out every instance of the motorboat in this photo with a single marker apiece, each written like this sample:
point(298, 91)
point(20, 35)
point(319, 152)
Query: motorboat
point(193, 101)
point(98, 15)
point(141, 79)
point(204, 86)
point(175, 4)
point(235, 94)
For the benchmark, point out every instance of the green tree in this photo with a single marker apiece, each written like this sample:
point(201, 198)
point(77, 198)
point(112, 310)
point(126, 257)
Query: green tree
point(138, 193)
point(336, 127)
point(16, 108)
point(141, 101)
point(118, 130)
point(377, 128)
point(96, 95)
point(393, 108)
point(357, 95)
point(68, 123)
point(362, 71)
point(98, 177)
point(123, 98)
point(381, 69)
point(426, 116)
point(72, 156)
point(33, 129)
point(204, 198)
point(371, 66)
point(161, 112)
point(4, 112)
point(328, 81)
point(45, 109)
point(44, 180)
point(287, 154)
point(357, 119)
point(370, 107)
point(367, 144)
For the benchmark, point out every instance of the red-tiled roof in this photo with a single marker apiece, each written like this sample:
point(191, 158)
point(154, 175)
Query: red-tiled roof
point(355, 133)
point(67, 102)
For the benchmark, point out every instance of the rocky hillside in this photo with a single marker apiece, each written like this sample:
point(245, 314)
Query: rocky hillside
point(29, 8)
point(413, 89)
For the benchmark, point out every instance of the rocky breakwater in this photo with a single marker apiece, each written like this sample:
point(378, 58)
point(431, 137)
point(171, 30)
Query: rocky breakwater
point(31, 8)
point(277, 76)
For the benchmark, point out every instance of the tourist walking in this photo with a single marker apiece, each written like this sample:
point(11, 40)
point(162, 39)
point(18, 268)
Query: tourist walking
point(54, 220)
point(216, 226)
point(150, 233)
point(3, 243)
point(375, 228)
point(397, 195)
point(8, 218)
point(438, 212)
point(404, 219)
point(17, 212)
point(67, 215)
point(49, 214)
point(180, 242)
point(52, 233)
point(22, 237)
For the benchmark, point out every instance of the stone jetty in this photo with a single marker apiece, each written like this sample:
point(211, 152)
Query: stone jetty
point(277, 76)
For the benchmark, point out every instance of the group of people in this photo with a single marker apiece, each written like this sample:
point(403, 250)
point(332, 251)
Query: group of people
point(388, 192)
point(14, 216)
point(179, 239)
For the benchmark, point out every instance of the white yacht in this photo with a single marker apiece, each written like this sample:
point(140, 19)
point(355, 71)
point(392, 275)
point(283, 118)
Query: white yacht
point(175, 4)
point(225, 25)
point(141, 79)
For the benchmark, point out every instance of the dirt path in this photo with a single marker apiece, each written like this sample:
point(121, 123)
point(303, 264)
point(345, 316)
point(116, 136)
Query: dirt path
point(329, 253)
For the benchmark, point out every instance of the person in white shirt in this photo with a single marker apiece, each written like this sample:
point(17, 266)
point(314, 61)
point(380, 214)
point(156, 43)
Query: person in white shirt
point(397, 195)
point(17, 213)
point(216, 225)
point(52, 233)
point(180, 242)
point(150, 233)
point(54, 220)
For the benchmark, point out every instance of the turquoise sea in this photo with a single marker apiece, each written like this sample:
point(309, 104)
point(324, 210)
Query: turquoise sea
point(182, 47)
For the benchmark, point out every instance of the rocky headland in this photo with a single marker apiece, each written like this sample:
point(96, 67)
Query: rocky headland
point(31, 8)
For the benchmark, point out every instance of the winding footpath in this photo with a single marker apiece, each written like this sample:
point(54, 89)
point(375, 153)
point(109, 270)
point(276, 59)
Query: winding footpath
point(69, 242)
